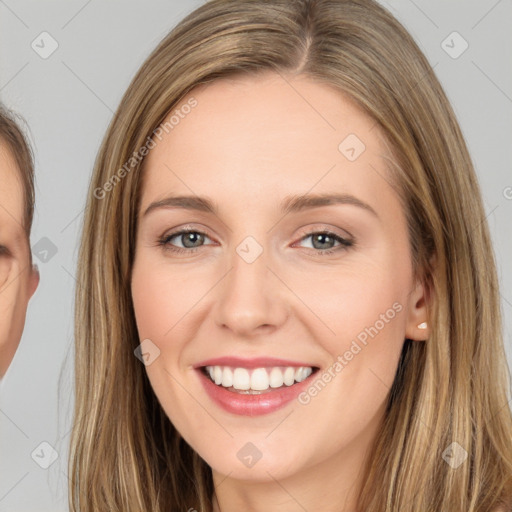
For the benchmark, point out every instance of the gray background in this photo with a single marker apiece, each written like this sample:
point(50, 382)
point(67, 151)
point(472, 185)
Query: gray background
point(68, 99)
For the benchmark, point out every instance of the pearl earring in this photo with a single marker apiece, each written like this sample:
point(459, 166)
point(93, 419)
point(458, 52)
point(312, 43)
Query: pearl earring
point(423, 325)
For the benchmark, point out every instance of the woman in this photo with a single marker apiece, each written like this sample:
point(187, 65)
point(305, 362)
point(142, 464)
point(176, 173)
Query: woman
point(19, 277)
point(226, 358)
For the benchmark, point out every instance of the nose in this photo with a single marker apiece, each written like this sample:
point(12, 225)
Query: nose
point(252, 299)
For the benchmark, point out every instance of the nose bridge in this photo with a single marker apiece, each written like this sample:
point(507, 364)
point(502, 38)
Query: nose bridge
point(250, 295)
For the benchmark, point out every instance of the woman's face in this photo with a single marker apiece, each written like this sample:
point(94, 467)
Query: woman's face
point(18, 280)
point(258, 290)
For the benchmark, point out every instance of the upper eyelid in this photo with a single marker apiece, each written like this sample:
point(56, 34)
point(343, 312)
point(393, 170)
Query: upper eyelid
point(183, 231)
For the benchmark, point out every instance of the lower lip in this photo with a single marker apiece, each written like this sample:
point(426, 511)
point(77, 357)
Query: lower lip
point(252, 405)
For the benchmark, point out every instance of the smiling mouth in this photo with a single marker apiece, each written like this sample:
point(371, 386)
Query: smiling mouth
point(255, 381)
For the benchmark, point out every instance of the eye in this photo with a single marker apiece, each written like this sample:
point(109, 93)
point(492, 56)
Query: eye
point(190, 239)
point(324, 241)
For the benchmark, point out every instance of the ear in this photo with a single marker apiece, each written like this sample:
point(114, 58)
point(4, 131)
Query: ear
point(417, 326)
point(33, 280)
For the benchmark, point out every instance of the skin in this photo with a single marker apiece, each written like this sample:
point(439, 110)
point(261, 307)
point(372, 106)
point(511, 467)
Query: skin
point(18, 278)
point(248, 143)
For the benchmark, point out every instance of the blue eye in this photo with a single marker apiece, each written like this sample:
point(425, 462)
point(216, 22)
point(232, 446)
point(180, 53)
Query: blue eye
point(198, 236)
point(326, 237)
point(190, 238)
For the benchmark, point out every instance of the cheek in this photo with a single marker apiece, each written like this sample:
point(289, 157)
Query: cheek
point(5, 267)
point(13, 304)
point(366, 311)
point(166, 302)
point(155, 299)
point(161, 299)
point(352, 303)
point(6, 317)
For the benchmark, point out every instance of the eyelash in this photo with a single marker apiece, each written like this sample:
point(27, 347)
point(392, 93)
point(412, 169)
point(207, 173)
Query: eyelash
point(344, 243)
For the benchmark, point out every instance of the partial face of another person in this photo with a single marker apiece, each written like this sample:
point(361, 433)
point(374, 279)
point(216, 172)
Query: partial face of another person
point(18, 279)
point(269, 299)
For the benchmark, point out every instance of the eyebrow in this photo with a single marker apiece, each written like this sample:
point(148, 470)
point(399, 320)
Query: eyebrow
point(290, 204)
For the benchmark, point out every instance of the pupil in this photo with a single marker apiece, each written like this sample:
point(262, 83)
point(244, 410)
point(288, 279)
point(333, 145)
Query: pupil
point(188, 236)
point(326, 238)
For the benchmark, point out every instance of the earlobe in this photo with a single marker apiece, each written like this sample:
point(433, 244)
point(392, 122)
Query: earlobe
point(423, 327)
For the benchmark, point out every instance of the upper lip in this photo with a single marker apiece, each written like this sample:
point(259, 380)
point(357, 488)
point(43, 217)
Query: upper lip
point(255, 362)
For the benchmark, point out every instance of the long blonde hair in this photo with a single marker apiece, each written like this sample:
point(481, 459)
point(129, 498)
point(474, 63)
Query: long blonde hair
point(125, 453)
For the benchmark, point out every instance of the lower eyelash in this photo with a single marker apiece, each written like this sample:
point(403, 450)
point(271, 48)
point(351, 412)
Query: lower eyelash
point(164, 242)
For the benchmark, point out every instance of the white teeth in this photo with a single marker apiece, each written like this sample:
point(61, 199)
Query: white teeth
point(258, 379)
point(289, 376)
point(241, 378)
point(302, 373)
point(227, 377)
point(276, 378)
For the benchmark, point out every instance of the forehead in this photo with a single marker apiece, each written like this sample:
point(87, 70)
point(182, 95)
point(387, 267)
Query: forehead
point(268, 112)
point(11, 195)
point(269, 132)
